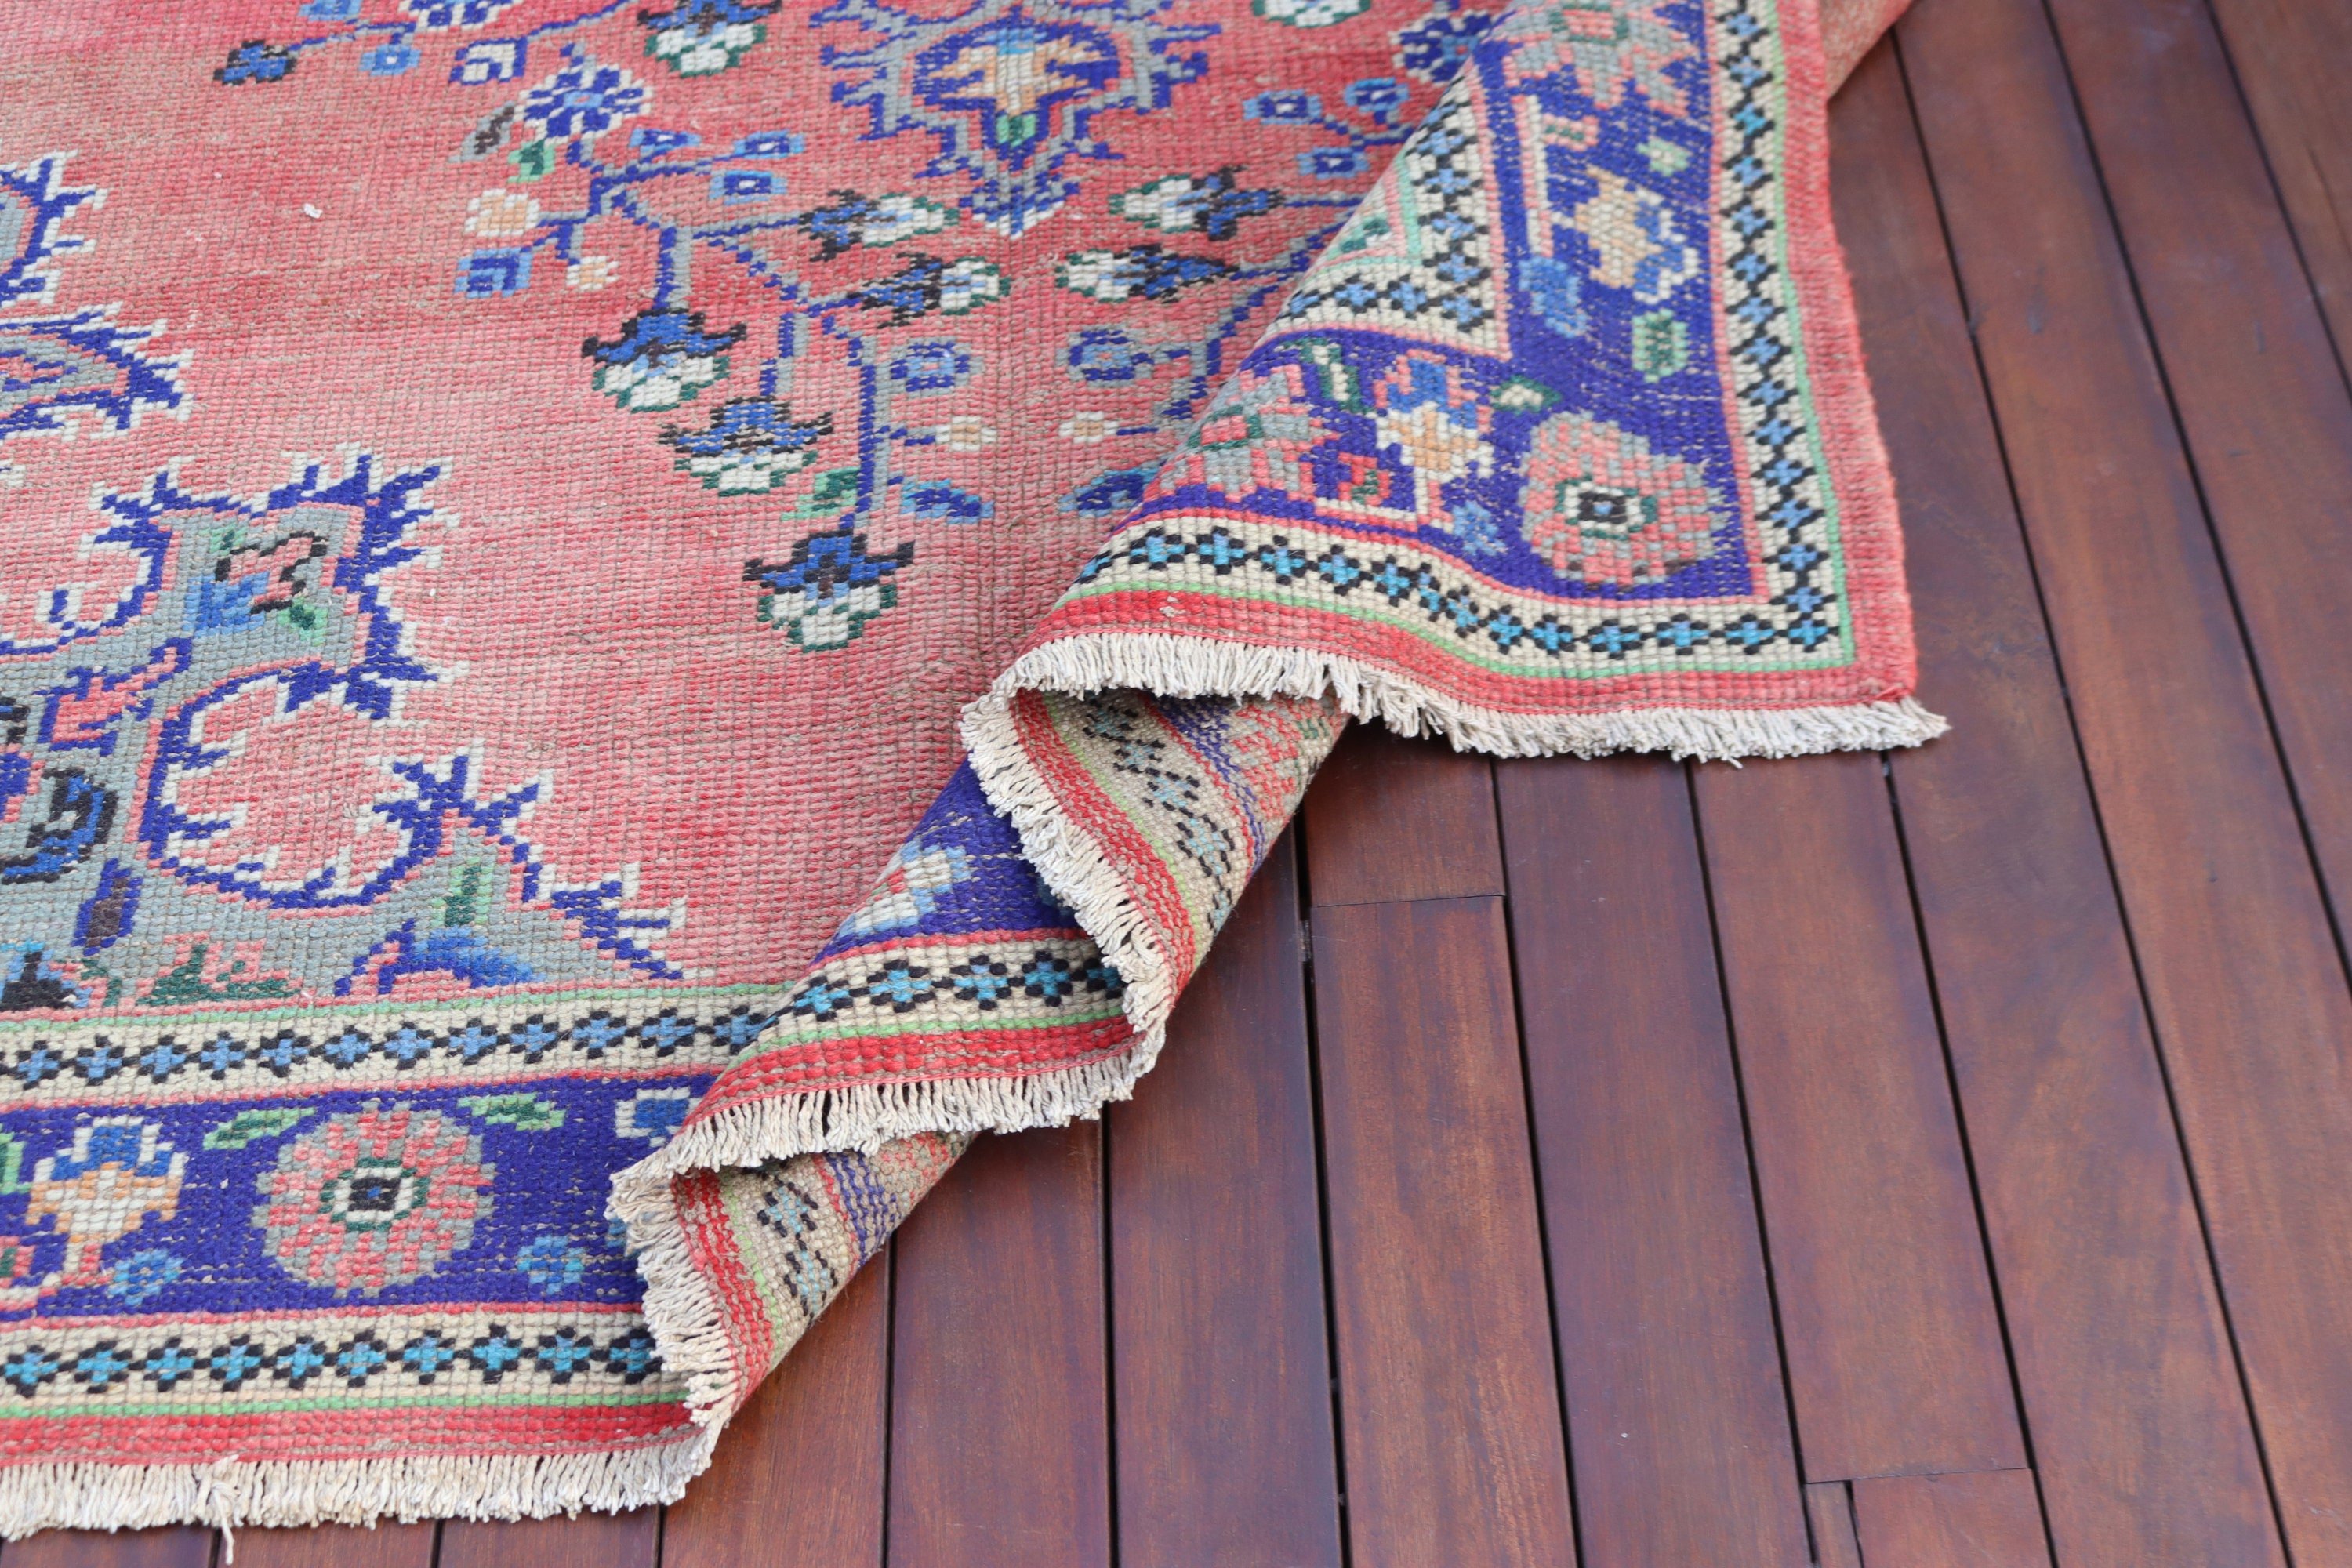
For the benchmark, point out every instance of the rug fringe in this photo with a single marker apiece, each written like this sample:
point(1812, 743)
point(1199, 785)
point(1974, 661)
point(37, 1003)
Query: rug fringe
point(1174, 665)
point(233, 1493)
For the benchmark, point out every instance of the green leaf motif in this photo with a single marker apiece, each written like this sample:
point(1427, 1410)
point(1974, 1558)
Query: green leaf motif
point(532, 161)
point(523, 1112)
point(835, 488)
point(12, 1164)
point(1661, 345)
point(246, 1126)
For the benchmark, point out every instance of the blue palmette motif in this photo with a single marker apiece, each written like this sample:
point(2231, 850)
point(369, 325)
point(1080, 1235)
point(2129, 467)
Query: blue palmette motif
point(57, 370)
point(98, 758)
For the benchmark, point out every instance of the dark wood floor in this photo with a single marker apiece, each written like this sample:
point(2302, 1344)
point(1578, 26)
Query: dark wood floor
point(1935, 1162)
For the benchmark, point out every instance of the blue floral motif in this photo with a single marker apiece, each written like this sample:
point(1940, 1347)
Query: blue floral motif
point(751, 446)
point(554, 1262)
point(395, 58)
point(143, 1276)
point(700, 37)
point(661, 359)
point(1434, 48)
point(584, 98)
point(830, 587)
point(255, 60)
point(1010, 97)
point(931, 364)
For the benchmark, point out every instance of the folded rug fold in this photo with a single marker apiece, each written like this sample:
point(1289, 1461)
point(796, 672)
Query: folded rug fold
point(427, 1084)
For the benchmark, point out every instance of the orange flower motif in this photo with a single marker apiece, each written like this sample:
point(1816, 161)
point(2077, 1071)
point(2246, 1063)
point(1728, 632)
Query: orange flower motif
point(501, 215)
point(375, 1198)
point(1600, 507)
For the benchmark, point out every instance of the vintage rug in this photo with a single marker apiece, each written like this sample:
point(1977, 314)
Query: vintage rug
point(503, 503)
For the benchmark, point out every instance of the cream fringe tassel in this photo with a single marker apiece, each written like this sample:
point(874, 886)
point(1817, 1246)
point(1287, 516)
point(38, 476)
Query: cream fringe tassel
point(264, 1493)
point(1172, 665)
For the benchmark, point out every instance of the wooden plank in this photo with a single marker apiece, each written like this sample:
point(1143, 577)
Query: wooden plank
point(592, 1540)
point(1678, 1424)
point(1448, 1402)
point(1990, 1519)
point(802, 1463)
point(2261, 397)
point(1225, 1450)
point(1893, 1352)
point(335, 1546)
point(180, 1547)
point(999, 1410)
point(2145, 1449)
point(1829, 1507)
point(2294, 59)
point(2240, 967)
point(1393, 819)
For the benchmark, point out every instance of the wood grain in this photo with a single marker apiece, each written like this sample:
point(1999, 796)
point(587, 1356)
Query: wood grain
point(1000, 1412)
point(1393, 819)
point(1449, 1405)
point(2246, 358)
point(1678, 1422)
point(2292, 60)
point(185, 1547)
point(2145, 1449)
point(1990, 1519)
point(1225, 1441)
point(335, 1546)
point(1894, 1354)
point(2241, 970)
point(592, 1540)
point(1829, 1507)
point(803, 1462)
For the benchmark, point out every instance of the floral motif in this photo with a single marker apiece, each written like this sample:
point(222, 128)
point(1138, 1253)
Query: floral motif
point(118, 1172)
point(1208, 204)
point(143, 1276)
point(751, 447)
point(829, 588)
point(1011, 96)
point(1434, 48)
point(1255, 435)
point(552, 1262)
point(852, 220)
point(1138, 272)
point(1602, 507)
point(931, 364)
point(1609, 43)
point(701, 37)
point(1640, 244)
point(373, 1198)
point(255, 60)
point(584, 99)
point(1436, 422)
point(661, 359)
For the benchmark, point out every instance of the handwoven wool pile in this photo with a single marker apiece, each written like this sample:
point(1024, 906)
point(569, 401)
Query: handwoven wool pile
point(503, 501)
